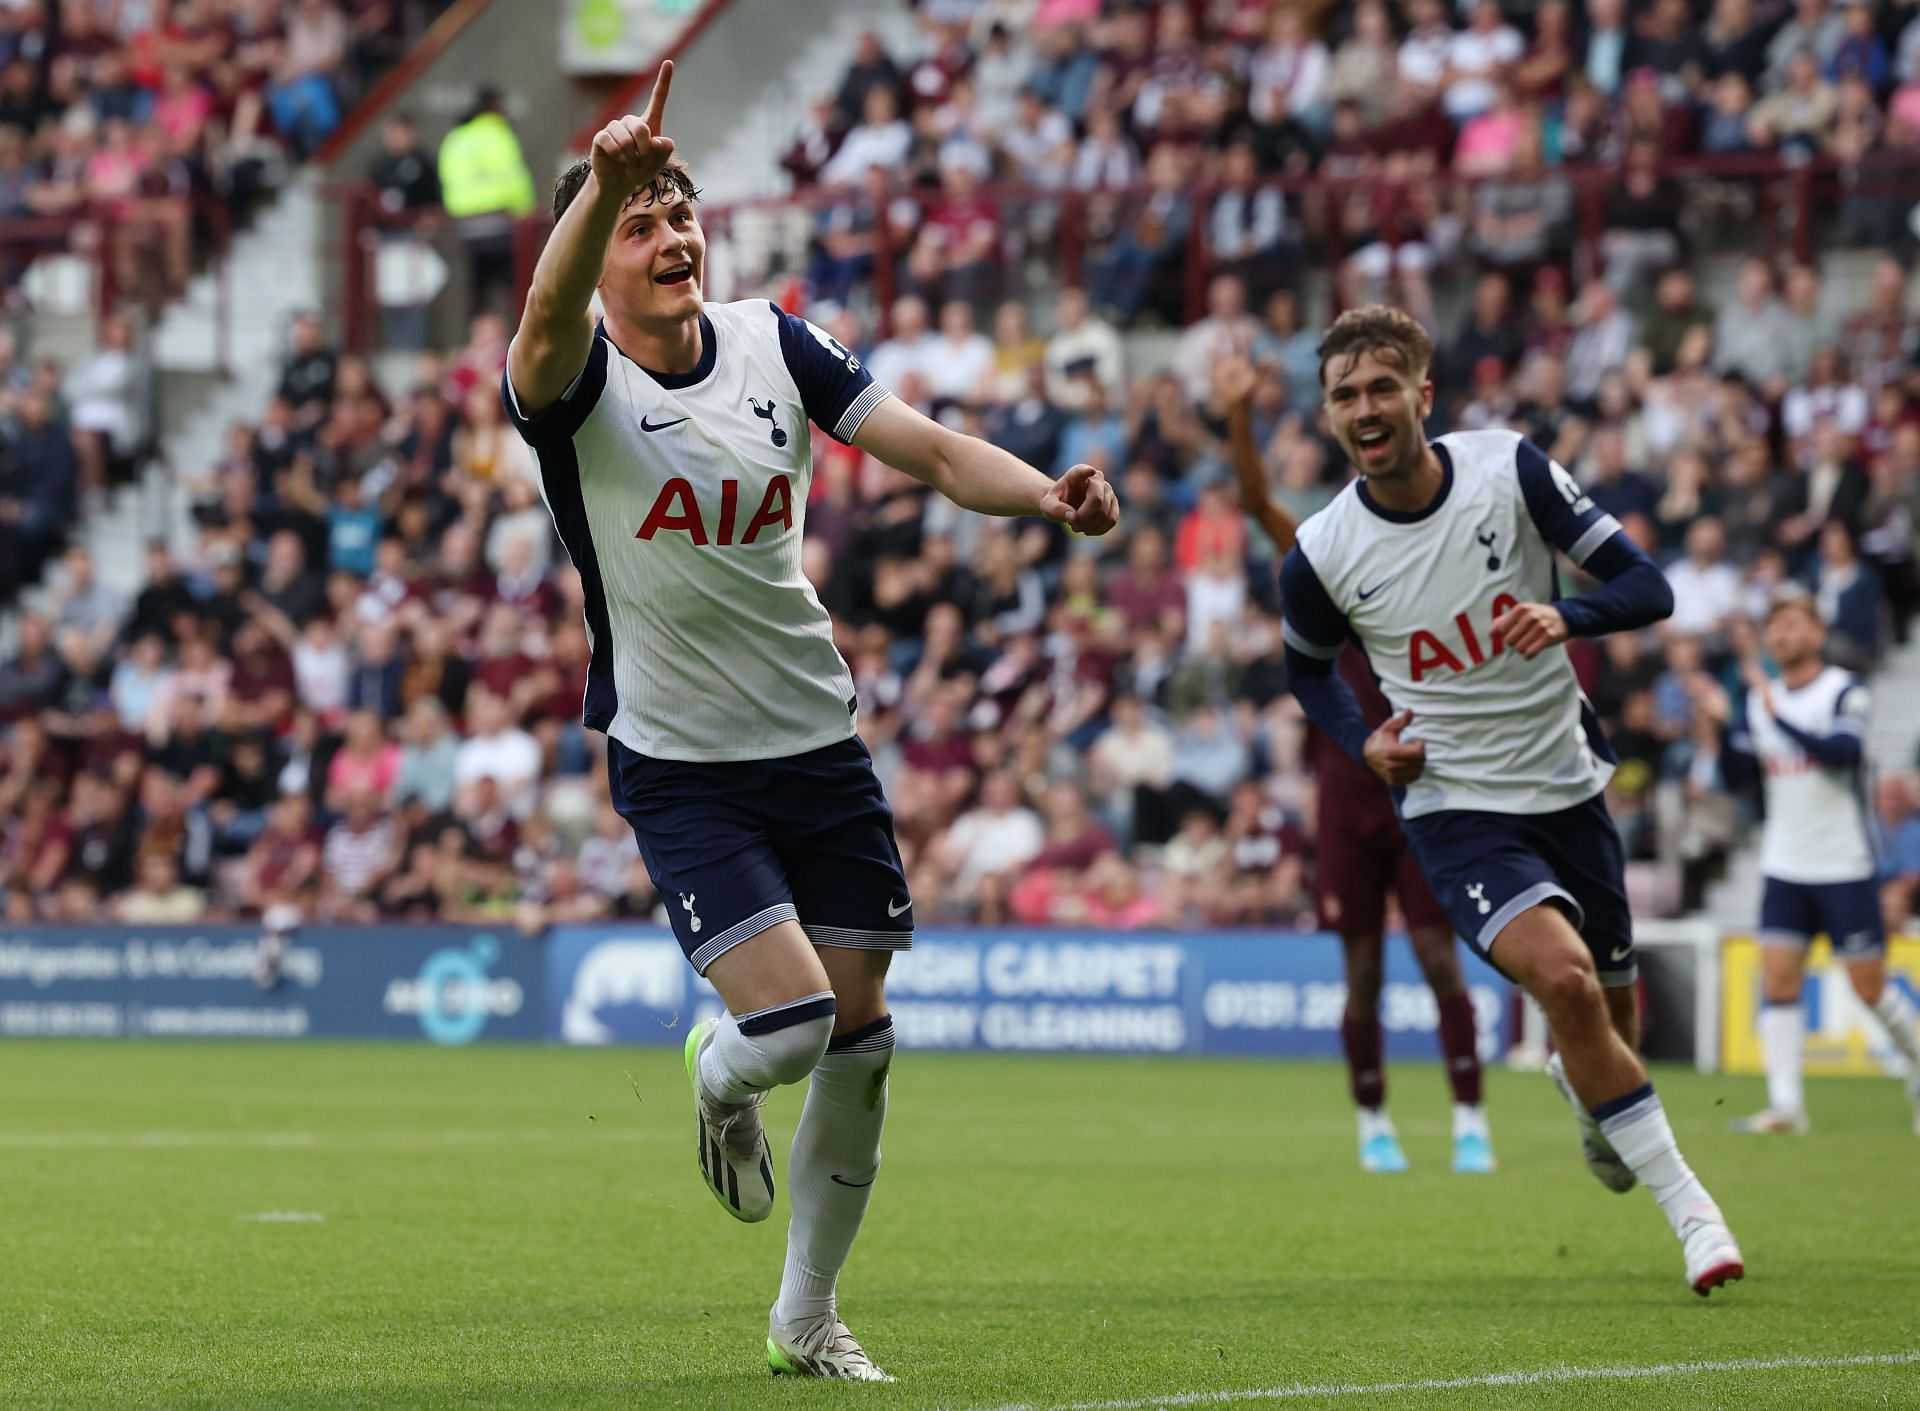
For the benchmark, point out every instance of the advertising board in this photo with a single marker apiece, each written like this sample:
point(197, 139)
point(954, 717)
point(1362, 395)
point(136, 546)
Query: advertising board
point(1266, 994)
point(446, 984)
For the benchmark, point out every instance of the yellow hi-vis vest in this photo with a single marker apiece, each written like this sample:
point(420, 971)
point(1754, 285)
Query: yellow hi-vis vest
point(482, 171)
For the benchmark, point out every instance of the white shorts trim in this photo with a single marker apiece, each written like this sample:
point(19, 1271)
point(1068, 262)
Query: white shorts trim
point(856, 938)
point(740, 931)
point(1525, 901)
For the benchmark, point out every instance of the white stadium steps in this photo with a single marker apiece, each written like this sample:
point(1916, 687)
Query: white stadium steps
point(273, 271)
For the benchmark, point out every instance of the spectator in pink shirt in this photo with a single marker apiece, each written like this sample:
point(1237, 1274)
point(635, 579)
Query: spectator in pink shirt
point(366, 763)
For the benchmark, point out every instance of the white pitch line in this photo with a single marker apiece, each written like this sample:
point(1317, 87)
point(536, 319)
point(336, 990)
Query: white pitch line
point(1548, 1377)
point(286, 1217)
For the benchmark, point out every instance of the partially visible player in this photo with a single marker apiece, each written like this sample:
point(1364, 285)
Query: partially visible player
point(1816, 850)
point(673, 446)
point(1436, 559)
point(1360, 856)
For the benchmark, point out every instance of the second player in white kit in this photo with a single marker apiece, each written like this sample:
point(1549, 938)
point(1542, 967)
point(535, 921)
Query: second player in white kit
point(1806, 730)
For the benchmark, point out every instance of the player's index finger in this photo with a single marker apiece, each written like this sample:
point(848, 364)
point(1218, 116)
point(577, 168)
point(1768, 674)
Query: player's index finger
point(657, 101)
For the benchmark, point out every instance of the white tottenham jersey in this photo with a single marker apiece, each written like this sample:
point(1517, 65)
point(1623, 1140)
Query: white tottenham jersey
point(682, 499)
point(1817, 823)
point(1420, 591)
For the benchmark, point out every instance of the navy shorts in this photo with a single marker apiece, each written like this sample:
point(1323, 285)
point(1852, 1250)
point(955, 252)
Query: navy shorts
point(1846, 913)
point(1487, 868)
point(737, 847)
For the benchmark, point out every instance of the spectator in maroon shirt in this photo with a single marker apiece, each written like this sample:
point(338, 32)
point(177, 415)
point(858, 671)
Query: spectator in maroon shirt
point(1146, 590)
point(462, 585)
point(281, 866)
point(491, 827)
point(819, 136)
point(260, 695)
point(1265, 873)
point(1075, 838)
point(957, 252)
point(930, 81)
point(504, 667)
point(34, 848)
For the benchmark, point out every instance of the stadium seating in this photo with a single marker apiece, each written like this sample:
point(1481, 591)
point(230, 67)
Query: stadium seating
point(358, 694)
point(135, 137)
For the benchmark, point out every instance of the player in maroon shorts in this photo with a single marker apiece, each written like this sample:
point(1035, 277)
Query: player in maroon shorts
point(1361, 857)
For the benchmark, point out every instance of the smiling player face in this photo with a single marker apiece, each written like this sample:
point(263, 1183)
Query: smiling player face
point(1377, 405)
point(657, 262)
point(1793, 636)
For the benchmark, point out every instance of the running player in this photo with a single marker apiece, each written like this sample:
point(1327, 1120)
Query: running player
point(1816, 850)
point(674, 450)
point(1360, 856)
point(1431, 559)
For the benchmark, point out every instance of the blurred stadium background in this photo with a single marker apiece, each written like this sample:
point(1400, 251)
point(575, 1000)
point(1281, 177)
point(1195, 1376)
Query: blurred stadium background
point(287, 627)
point(288, 649)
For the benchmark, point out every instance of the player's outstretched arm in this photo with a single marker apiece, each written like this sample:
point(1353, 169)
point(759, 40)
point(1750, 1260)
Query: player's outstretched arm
point(555, 333)
point(1234, 381)
point(981, 477)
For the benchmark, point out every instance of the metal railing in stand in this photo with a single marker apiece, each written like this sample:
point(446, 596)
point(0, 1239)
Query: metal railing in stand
point(1788, 203)
point(109, 239)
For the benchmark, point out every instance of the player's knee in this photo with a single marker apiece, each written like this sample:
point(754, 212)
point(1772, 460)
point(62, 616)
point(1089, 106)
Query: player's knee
point(1785, 992)
point(1568, 987)
point(789, 1042)
point(1363, 990)
point(1440, 965)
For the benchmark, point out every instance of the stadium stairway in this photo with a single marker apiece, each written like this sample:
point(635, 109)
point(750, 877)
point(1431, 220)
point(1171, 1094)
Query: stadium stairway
point(273, 270)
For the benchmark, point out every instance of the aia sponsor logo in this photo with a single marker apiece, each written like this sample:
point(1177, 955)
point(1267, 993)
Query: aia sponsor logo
point(678, 510)
point(1429, 652)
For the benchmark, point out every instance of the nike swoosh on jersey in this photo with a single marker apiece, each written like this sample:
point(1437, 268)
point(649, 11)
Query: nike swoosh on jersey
point(645, 425)
point(1619, 953)
point(893, 910)
point(1368, 593)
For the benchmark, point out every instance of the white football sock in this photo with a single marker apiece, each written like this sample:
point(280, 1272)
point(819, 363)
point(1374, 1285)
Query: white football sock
point(1896, 1012)
point(767, 1048)
point(836, 1156)
point(1469, 1121)
point(1374, 1122)
point(1636, 1127)
point(1783, 1033)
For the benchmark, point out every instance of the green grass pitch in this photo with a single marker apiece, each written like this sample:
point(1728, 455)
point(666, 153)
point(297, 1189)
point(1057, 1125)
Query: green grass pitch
point(527, 1227)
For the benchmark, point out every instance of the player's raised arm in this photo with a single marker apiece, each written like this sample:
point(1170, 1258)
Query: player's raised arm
point(555, 333)
point(1636, 592)
point(1233, 382)
point(981, 477)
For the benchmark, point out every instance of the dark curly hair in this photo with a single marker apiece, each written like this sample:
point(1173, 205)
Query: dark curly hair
point(676, 177)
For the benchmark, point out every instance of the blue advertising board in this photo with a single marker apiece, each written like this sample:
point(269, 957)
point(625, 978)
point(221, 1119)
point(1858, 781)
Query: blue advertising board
point(447, 984)
point(1256, 993)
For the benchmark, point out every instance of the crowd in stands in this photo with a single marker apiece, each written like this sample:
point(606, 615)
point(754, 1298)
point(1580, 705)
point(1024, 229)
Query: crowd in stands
point(115, 116)
point(122, 114)
point(359, 695)
point(1469, 116)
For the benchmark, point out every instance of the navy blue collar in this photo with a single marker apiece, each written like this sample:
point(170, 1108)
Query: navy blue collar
point(673, 381)
point(1413, 516)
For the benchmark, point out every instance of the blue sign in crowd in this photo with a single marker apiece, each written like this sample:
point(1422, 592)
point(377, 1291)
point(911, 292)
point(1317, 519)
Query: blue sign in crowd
point(1247, 993)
